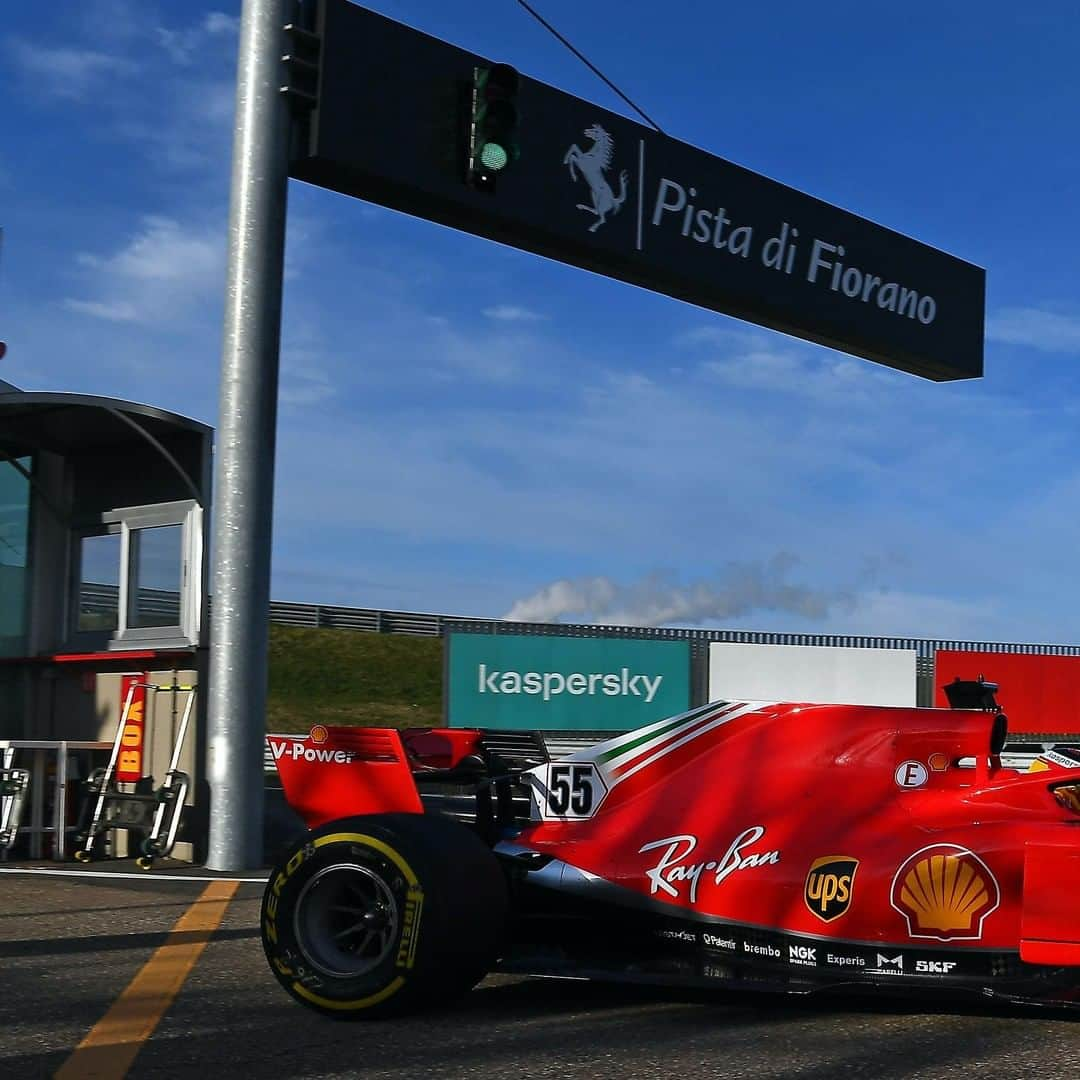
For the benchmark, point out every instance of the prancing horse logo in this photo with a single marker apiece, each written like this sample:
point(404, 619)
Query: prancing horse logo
point(593, 163)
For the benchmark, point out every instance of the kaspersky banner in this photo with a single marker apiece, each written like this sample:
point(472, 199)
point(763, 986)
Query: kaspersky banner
point(564, 683)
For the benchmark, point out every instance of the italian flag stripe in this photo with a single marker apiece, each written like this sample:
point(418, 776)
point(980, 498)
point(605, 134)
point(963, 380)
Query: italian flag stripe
point(709, 723)
point(619, 744)
point(659, 745)
point(639, 739)
point(647, 743)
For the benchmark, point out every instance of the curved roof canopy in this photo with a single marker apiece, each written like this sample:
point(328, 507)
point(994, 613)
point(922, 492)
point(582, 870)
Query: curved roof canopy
point(67, 423)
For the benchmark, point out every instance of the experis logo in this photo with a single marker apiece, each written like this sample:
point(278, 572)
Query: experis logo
point(673, 868)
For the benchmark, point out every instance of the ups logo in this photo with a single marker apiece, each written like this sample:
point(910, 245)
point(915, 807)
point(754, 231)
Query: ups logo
point(829, 885)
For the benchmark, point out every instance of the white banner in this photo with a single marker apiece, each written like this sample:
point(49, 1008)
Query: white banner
point(811, 673)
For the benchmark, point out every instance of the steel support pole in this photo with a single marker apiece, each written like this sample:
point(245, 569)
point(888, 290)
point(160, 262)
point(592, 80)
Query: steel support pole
point(244, 469)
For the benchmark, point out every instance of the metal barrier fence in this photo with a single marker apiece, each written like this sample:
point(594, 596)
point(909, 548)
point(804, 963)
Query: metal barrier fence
point(429, 624)
point(924, 648)
point(371, 619)
point(378, 620)
point(100, 599)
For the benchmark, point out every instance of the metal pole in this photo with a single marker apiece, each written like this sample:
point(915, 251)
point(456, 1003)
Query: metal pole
point(244, 471)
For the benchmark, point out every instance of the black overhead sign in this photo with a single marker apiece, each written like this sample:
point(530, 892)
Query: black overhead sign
point(598, 191)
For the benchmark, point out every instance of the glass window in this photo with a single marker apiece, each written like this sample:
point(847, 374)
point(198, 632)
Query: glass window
point(141, 577)
point(154, 585)
point(14, 572)
point(99, 582)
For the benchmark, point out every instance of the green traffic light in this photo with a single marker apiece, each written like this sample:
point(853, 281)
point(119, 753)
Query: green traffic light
point(493, 131)
point(493, 156)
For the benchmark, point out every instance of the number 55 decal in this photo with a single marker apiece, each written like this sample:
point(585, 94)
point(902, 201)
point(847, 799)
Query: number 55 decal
point(567, 791)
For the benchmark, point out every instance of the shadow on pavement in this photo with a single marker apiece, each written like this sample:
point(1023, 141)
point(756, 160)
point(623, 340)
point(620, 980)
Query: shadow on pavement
point(105, 942)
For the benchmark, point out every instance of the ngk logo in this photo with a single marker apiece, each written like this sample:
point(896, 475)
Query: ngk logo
point(802, 954)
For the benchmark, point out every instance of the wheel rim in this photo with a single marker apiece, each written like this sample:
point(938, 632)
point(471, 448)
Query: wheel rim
point(346, 920)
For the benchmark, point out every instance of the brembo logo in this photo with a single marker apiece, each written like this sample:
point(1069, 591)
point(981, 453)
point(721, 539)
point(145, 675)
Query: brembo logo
point(294, 750)
point(672, 869)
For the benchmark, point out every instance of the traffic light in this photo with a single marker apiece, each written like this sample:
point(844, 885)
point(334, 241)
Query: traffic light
point(493, 134)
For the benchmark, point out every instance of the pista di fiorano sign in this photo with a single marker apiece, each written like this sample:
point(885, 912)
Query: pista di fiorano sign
point(593, 189)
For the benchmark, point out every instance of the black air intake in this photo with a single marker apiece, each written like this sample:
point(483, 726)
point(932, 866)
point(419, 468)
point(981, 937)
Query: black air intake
point(965, 694)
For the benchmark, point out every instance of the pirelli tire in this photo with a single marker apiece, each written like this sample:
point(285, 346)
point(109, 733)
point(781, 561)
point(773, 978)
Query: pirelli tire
point(373, 916)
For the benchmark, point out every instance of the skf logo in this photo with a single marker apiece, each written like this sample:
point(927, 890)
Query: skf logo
point(945, 892)
point(829, 885)
point(934, 967)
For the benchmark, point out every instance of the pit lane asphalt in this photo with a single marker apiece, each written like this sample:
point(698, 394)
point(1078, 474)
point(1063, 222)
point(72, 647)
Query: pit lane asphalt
point(69, 946)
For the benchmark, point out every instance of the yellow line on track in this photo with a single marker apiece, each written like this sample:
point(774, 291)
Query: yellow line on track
point(113, 1042)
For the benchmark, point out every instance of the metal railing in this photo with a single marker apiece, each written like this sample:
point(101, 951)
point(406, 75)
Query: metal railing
point(97, 599)
point(374, 620)
point(103, 598)
point(924, 648)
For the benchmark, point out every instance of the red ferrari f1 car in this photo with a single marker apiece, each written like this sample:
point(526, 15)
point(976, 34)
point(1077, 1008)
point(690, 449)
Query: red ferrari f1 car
point(754, 845)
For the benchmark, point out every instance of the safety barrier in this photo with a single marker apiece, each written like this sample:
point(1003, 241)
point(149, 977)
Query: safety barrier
point(39, 752)
point(430, 624)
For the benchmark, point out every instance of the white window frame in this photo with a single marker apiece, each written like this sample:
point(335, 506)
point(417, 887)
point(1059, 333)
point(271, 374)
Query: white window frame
point(127, 520)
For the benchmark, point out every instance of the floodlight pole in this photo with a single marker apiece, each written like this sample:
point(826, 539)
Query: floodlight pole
point(244, 469)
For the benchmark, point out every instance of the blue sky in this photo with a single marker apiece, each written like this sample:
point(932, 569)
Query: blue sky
point(471, 429)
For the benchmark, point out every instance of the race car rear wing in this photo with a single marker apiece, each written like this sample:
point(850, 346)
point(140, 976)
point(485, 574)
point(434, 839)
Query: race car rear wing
point(473, 775)
point(341, 772)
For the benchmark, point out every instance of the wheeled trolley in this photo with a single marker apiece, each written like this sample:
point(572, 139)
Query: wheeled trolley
point(157, 811)
point(14, 783)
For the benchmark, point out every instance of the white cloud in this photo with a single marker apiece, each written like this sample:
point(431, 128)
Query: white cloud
point(305, 386)
point(716, 335)
point(1036, 328)
point(167, 251)
point(663, 600)
point(119, 311)
point(753, 360)
point(902, 613)
point(183, 45)
point(512, 313)
point(217, 22)
point(157, 276)
point(67, 73)
point(585, 479)
point(169, 92)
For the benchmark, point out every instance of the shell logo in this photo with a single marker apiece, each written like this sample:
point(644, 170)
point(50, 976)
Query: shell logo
point(945, 892)
point(319, 734)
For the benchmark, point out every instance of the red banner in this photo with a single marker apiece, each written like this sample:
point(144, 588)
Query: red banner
point(1039, 694)
point(129, 762)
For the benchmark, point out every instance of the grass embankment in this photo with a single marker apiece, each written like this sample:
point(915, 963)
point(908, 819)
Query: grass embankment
point(352, 677)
